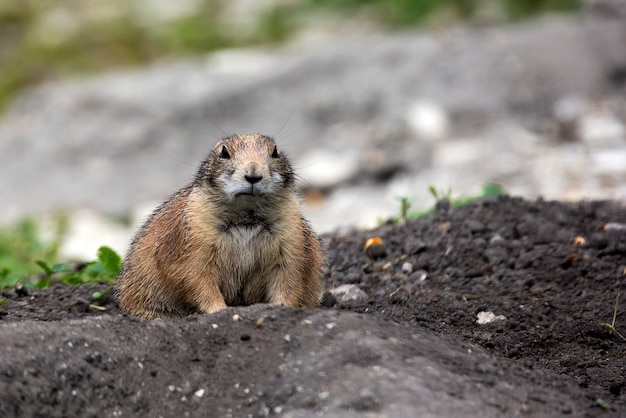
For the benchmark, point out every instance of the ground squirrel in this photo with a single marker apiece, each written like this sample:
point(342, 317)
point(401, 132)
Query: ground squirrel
point(234, 236)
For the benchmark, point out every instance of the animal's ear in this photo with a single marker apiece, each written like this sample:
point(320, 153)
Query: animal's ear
point(275, 152)
point(224, 153)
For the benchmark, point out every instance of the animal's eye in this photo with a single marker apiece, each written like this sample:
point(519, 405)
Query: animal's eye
point(275, 152)
point(224, 153)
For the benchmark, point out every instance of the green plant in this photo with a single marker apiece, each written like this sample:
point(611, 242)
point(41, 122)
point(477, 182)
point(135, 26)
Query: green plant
point(104, 269)
point(403, 13)
point(440, 194)
point(518, 10)
point(611, 326)
point(24, 254)
point(21, 245)
point(490, 189)
point(405, 205)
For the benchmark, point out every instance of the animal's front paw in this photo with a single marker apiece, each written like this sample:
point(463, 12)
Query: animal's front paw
point(216, 307)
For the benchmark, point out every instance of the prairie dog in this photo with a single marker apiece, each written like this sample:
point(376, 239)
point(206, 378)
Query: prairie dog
point(234, 236)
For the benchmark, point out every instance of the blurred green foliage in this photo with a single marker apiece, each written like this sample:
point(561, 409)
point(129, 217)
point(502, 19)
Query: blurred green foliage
point(102, 270)
point(44, 40)
point(27, 259)
point(394, 13)
point(21, 246)
point(489, 190)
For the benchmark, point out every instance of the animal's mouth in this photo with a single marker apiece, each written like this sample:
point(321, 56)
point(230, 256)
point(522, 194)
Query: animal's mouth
point(250, 192)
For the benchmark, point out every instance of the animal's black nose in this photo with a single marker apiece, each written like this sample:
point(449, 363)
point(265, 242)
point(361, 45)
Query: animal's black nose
point(253, 178)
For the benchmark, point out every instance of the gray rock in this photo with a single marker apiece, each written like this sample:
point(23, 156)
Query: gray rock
point(407, 267)
point(349, 293)
point(496, 239)
point(428, 121)
point(327, 168)
point(601, 129)
point(474, 225)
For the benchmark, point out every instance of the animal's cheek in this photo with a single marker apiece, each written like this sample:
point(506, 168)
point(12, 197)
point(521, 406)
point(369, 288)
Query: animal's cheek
point(231, 186)
point(231, 171)
point(231, 176)
point(276, 179)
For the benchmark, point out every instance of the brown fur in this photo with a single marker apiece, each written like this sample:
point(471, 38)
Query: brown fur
point(226, 240)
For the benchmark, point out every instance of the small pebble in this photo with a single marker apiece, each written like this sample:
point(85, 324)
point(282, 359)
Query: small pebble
point(414, 246)
point(418, 276)
point(349, 293)
point(427, 120)
point(475, 226)
point(20, 290)
point(614, 226)
point(496, 239)
point(443, 227)
point(486, 317)
point(375, 248)
point(407, 267)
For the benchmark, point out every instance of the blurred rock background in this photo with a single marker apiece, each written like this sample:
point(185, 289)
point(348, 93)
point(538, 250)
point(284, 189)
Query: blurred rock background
point(109, 106)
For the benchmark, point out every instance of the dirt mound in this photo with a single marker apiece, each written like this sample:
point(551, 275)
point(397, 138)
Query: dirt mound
point(548, 271)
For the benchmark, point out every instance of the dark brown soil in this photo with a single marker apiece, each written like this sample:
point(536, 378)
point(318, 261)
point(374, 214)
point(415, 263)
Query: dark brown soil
point(552, 269)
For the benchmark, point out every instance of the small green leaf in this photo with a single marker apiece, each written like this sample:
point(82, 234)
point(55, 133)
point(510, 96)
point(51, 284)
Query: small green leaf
point(93, 270)
point(61, 268)
point(433, 192)
point(97, 295)
point(42, 283)
point(462, 201)
point(493, 189)
point(72, 278)
point(4, 273)
point(7, 281)
point(45, 267)
point(3, 301)
point(111, 261)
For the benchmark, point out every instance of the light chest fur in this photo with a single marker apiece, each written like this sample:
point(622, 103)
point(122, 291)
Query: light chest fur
point(247, 254)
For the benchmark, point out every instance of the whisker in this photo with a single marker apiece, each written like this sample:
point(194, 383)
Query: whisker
point(275, 135)
point(185, 163)
point(300, 167)
point(218, 127)
point(302, 183)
